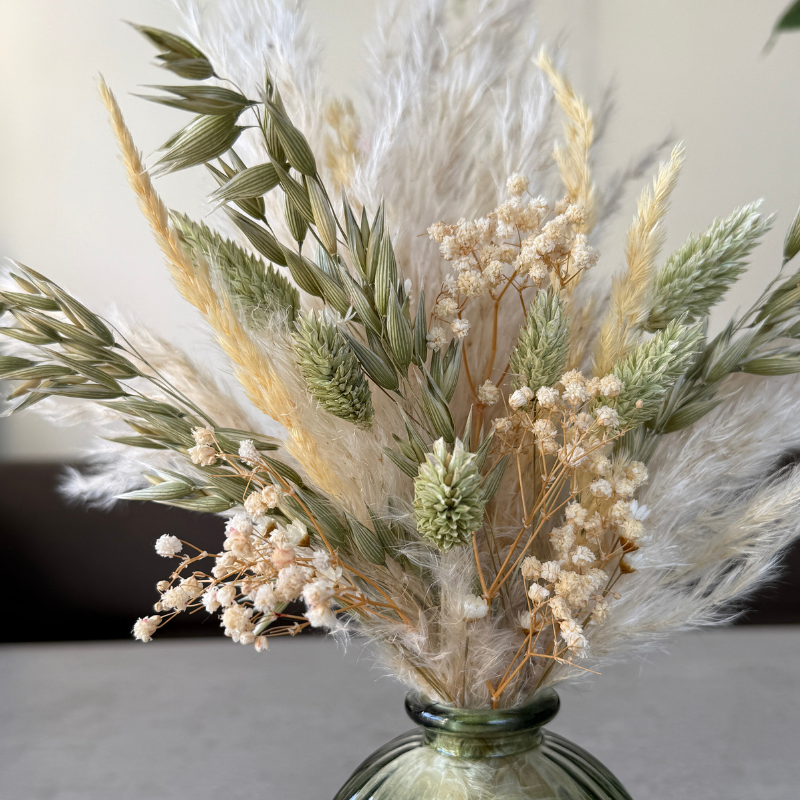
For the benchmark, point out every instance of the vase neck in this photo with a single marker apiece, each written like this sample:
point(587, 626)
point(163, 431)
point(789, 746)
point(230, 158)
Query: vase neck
point(481, 732)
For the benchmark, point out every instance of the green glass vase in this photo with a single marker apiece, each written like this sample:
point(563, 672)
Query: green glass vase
point(482, 754)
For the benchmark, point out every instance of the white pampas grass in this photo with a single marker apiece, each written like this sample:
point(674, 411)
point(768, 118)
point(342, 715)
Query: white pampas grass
point(443, 649)
point(454, 110)
point(735, 447)
point(245, 39)
point(189, 378)
point(721, 556)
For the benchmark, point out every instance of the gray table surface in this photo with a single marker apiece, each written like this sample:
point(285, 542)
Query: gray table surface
point(716, 716)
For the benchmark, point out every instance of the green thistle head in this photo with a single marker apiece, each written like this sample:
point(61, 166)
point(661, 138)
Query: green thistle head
point(540, 357)
point(448, 501)
point(332, 371)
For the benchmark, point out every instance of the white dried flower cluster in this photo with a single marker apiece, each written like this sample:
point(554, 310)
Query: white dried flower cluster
point(502, 424)
point(460, 328)
point(248, 452)
point(559, 417)
point(557, 248)
point(520, 240)
point(261, 501)
point(262, 567)
point(601, 523)
point(475, 607)
point(446, 307)
point(517, 185)
point(520, 398)
point(167, 545)
point(204, 453)
point(436, 338)
point(488, 393)
point(145, 627)
point(204, 437)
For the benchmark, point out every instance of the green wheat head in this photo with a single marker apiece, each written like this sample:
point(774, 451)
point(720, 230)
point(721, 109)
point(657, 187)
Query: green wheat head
point(256, 285)
point(651, 369)
point(540, 357)
point(698, 274)
point(332, 372)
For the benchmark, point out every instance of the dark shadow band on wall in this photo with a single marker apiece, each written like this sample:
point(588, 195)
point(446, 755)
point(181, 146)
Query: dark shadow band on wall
point(88, 574)
point(84, 573)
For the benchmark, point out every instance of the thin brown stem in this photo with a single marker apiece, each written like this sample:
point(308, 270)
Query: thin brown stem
point(478, 562)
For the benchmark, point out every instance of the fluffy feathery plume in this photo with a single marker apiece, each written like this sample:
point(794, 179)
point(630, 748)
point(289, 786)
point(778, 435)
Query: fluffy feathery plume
point(243, 40)
point(342, 152)
point(728, 529)
point(573, 160)
point(689, 464)
point(418, 66)
point(701, 568)
point(444, 670)
point(611, 198)
point(455, 108)
point(631, 292)
point(585, 303)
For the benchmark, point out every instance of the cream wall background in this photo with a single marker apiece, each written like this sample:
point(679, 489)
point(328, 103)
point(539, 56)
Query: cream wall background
point(693, 69)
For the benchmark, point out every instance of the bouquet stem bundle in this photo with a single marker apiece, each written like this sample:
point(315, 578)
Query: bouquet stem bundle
point(497, 470)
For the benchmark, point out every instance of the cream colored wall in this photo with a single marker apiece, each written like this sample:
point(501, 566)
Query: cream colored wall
point(697, 70)
point(692, 68)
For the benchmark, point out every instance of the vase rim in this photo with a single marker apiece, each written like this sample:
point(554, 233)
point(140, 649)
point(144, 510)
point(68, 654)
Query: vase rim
point(483, 721)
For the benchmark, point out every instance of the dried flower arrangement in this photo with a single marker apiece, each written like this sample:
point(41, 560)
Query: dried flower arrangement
point(500, 471)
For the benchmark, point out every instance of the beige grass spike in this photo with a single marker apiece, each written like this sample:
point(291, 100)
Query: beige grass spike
point(260, 381)
point(573, 160)
point(631, 291)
